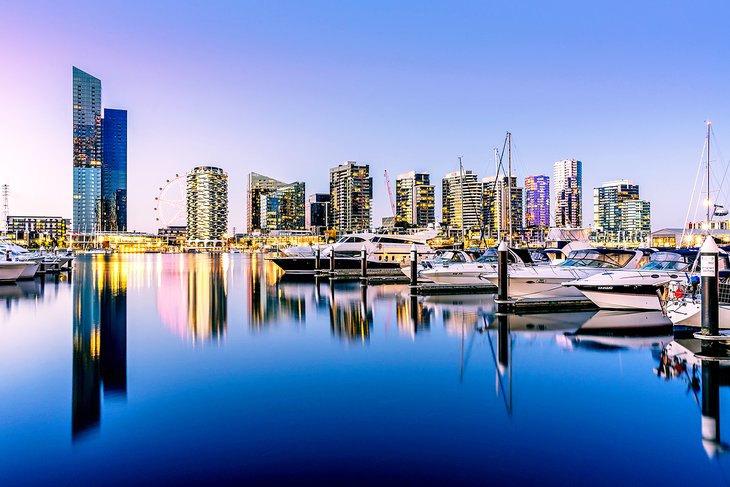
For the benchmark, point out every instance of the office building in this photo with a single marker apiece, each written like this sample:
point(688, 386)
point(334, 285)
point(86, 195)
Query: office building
point(608, 202)
point(87, 151)
point(537, 202)
point(258, 185)
point(351, 193)
point(315, 213)
point(51, 228)
point(207, 203)
point(415, 199)
point(567, 193)
point(114, 171)
point(283, 208)
point(635, 220)
point(461, 200)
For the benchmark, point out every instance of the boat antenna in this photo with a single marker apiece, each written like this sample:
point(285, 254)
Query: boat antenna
point(709, 124)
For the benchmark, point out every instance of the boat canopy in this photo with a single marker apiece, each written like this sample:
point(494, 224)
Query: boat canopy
point(603, 258)
point(669, 261)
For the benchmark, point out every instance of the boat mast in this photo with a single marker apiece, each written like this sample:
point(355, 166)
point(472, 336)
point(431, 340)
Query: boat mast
point(708, 176)
point(461, 186)
point(509, 186)
point(494, 208)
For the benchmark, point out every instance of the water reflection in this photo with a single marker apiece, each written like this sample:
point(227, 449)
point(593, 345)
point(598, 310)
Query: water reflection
point(273, 296)
point(351, 318)
point(192, 298)
point(99, 339)
point(33, 289)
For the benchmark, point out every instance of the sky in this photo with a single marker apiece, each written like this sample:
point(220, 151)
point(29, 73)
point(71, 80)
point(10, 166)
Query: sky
point(290, 89)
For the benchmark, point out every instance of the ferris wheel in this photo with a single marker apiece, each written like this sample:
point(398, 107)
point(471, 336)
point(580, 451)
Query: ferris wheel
point(170, 204)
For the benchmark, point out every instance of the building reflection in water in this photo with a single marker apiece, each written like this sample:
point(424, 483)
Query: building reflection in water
point(412, 316)
point(273, 296)
point(99, 339)
point(192, 296)
point(351, 317)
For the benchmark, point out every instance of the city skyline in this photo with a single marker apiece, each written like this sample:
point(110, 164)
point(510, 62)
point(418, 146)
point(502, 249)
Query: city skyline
point(604, 99)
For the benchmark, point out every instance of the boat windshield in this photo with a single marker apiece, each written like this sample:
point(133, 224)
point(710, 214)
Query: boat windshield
point(489, 257)
point(594, 258)
point(666, 261)
point(449, 257)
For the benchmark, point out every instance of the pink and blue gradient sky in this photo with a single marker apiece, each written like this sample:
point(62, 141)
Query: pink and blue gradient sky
point(289, 89)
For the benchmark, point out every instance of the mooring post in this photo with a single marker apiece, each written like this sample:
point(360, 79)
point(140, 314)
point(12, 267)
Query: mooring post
point(414, 269)
point(317, 259)
point(502, 278)
point(364, 265)
point(332, 260)
point(709, 253)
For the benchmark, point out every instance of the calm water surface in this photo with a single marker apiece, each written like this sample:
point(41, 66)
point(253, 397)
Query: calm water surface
point(138, 370)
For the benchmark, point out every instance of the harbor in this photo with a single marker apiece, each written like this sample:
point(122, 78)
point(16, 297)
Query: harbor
point(309, 376)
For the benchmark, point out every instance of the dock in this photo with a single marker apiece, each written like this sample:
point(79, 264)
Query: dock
point(433, 289)
point(535, 305)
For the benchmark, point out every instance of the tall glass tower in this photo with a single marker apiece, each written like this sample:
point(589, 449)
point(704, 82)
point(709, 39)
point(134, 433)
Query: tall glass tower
point(207, 203)
point(114, 171)
point(87, 151)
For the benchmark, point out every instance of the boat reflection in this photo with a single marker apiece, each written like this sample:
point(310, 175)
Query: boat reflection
point(32, 289)
point(351, 317)
point(192, 298)
point(705, 368)
point(99, 340)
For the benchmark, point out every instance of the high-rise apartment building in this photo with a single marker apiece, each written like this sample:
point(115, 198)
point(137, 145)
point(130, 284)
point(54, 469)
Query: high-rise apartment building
point(537, 202)
point(283, 208)
point(114, 170)
point(258, 186)
point(87, 151)
point(618, 213)
point(567, 191)
point(461, 200)
point(315, 213)
point(351, 193)
point(496, 208)
point(207, 203)
point(415, 199)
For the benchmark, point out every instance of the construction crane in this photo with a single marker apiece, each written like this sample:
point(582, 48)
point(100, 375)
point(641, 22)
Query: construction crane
point(390, 193)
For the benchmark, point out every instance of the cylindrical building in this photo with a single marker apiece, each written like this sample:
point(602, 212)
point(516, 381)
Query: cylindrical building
point(207, 203)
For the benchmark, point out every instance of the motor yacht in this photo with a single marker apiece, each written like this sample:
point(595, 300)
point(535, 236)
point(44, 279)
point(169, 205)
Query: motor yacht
point(641, 288)
point(546, 281)
point(441, 259)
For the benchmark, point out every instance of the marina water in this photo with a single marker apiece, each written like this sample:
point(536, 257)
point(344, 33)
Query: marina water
point(147, 369)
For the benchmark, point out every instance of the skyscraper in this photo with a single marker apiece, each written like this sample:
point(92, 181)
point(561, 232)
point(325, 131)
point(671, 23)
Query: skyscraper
point(315, 212)
point(537, 202)
point(258, 185)
point(283, 209)
point(114, 170)
point(351, 192)
point(207, 203)
point(496, 208)
point(461, 200)
point(87, 153)
point(618, 213)
point(567, 188)
point(414, 199)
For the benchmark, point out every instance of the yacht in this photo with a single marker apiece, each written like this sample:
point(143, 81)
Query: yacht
point(479, 271)
point(684, 304)
point(384, 251)
point(641, 288)
point(442, 259)
point(11, 270)
point(546, 281)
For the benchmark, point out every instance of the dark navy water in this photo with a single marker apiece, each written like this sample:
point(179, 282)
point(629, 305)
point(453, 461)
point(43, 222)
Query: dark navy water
point(198, 369)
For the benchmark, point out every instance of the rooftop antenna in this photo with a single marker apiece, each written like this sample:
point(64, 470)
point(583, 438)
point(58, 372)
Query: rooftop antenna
point(6, 209)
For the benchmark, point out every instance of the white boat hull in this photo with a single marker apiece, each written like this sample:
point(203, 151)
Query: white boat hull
point(689, 313)
point(11, 271)
point(31, 268)
point(613, 300)
point(539, 287)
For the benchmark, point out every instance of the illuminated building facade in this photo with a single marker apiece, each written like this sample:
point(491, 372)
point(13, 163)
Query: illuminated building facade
point(283, 208)
point(568, 191)
point(497, 211)
point(207, 203)
point(351, 193)
point(114, 171)
point(415, 199)
point(87, 151)
point(258, 186)
point(315, 213)
point(537, 202)
point(618, 213)
point(51, 228)
point(461, 200)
